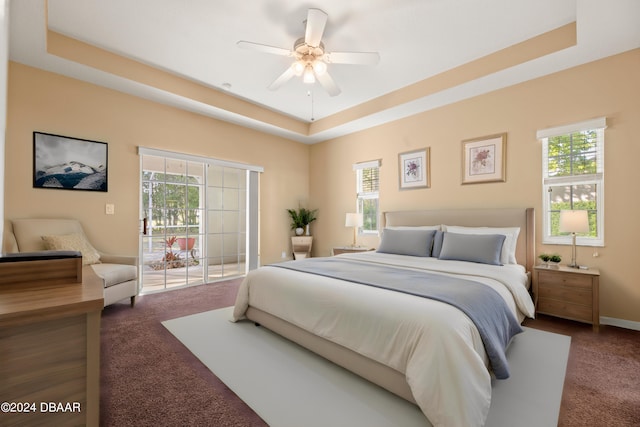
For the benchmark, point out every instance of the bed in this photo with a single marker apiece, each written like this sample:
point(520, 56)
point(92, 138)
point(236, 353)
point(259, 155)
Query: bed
point(425, 351)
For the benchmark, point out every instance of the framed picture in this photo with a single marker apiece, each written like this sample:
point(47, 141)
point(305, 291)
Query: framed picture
point(484, 159)
point(66, 163)
point(414, 169)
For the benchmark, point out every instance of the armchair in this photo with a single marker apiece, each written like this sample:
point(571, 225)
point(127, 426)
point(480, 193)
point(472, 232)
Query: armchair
point(119, 274)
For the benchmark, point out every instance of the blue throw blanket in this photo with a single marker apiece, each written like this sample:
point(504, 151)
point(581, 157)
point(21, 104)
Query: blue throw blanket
point(483, 305)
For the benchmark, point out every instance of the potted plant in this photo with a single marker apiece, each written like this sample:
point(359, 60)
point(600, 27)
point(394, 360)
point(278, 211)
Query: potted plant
point(550, 260)
point(544, 257)
point(186, 243)
point(301, 218)
point(171, 258)
point(554, 260)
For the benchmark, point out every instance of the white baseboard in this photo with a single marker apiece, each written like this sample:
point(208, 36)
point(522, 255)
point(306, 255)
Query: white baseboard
point(627, 324)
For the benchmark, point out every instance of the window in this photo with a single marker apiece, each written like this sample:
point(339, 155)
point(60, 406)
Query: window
point(573, 178)
point(368, 185)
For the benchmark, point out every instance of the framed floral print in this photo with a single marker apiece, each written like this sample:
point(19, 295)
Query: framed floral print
point(484, 159)
point(414, 169)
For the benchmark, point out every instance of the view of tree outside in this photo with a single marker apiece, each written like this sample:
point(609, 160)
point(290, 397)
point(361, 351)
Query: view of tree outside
point(369, 209)
point(172, 201)
point(573, 155)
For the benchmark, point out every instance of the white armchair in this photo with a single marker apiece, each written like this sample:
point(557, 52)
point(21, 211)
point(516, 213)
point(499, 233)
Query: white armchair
point(119, 274)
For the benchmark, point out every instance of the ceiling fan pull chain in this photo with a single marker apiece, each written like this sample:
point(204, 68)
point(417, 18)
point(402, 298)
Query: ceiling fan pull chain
point(310, 94)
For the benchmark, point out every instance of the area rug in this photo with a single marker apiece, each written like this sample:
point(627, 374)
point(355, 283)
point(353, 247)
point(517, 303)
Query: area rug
point(288, 386)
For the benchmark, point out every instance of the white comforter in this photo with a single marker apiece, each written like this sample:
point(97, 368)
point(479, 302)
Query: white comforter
point(436, 345)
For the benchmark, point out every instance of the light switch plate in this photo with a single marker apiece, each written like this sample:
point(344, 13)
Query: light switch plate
point(110, 209)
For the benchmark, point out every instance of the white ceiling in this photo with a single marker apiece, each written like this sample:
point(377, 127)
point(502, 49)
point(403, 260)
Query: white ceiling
point(416, 39)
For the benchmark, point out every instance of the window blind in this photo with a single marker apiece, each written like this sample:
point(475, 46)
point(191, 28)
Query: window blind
point(369, 181)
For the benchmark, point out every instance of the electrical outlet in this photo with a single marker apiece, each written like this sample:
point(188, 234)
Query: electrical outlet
point(109, 209)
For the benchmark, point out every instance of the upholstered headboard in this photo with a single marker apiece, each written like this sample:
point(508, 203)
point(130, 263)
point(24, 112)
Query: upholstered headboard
point(523, 218)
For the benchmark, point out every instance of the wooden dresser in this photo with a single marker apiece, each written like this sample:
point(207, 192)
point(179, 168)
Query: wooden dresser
point(569, 293)
point(49, 343)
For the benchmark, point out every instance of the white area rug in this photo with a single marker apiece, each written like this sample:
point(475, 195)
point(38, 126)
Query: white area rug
point(289, 386)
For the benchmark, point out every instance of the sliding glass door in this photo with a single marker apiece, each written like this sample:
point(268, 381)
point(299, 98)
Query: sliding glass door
point(197, 222)
point(227, 220)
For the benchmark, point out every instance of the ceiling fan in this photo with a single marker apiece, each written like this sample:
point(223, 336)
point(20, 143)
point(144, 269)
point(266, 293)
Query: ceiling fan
point(310, 56)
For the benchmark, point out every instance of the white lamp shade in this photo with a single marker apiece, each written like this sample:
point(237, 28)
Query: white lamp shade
point(353, 220)
point(574, 222)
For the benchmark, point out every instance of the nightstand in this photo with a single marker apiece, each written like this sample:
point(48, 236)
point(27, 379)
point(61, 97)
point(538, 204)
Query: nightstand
point(570, 293)
point(350, 249)
point(301, 246)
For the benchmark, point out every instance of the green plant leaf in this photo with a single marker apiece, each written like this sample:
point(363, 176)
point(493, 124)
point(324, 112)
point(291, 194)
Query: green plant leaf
point(301, 217)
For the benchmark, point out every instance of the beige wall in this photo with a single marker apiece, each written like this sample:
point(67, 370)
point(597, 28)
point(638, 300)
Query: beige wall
point(608, 87)
point(46, 102)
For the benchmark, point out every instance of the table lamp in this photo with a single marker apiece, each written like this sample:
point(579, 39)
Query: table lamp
point(353, 220)
point(574, 222)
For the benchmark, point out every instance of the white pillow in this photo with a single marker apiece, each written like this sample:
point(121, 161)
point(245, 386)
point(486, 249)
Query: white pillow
point(73, 242)
point(508, 255)
point(417, 227)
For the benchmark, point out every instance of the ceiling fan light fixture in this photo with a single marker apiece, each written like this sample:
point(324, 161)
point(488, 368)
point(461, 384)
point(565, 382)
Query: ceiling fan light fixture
point(298, 68)
point(319, 67)
point(308, 76)
point(310, 59)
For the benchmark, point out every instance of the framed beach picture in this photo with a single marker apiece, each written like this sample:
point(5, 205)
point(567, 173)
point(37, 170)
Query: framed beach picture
point(484, 159)
point(414, 170)
point(66, 163)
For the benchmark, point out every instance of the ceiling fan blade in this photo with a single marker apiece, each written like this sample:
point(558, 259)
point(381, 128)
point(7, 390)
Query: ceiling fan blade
point(316, 21)
point(284, 77)
point(264, 48)
point(328, 84)
point(358, 58)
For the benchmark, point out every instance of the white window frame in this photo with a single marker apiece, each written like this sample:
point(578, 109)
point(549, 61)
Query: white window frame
point(361, 195)
point(599, 125)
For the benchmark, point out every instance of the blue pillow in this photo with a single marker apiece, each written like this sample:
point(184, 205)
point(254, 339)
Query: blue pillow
point(407, 242)
point(437, 244)
point(481, 248)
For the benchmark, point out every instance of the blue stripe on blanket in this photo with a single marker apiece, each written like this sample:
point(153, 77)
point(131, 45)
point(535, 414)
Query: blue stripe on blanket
point(483, 305)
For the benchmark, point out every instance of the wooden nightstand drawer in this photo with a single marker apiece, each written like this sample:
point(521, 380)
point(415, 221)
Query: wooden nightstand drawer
point(582, 296)
point(568, 292)
point(564, 279)
point(565, 309)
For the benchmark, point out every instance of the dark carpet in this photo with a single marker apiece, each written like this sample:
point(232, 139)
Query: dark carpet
point(148, 378)
point(602, 383)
